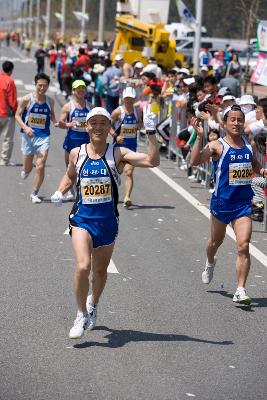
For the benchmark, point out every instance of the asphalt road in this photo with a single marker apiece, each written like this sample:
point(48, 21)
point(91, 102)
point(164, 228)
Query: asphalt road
point(161, 334)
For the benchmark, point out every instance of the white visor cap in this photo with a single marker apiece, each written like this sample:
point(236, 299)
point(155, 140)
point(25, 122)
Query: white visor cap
point(98, 111)
point(129, 92)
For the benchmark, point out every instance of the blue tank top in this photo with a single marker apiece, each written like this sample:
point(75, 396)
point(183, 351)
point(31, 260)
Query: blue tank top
point(38, 117)
point(233, 172)
point(79, 131)
point(97, 186)
point(126, 127)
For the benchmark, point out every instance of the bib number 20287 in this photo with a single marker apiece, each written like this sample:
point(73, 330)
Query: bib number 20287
point(95, 190)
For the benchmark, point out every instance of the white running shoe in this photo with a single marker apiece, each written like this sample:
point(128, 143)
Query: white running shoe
point(192, 177)
point(92, 312)
point(69, 196)
point(207, 274)
point(79, 327)
point(35, 199)
point(241, 297)
point(23, 174)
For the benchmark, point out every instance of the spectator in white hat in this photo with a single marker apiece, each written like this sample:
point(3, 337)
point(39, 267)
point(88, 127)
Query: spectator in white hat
point(126, 69)
point(248, 106)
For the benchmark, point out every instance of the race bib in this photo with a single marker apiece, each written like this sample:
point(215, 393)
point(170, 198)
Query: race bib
point(37, 120)
point(240, 173)
point(128, 131)
point(81, 124)
point(96, 190)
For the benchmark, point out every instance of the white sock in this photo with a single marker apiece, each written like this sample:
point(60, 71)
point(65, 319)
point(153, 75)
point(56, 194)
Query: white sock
point(82, 314)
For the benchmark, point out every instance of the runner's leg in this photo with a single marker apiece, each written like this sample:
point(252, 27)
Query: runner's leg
point(100, 261)
point(27, 163)
point(243, 229)
point(40, 171)
point(82, 247)
point(128, 170)
point(218, 230)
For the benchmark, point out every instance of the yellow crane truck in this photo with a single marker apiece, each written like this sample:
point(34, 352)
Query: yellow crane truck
point(138, 41)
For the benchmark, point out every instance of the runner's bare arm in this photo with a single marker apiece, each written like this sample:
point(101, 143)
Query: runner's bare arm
point(149, 160)
point(69, 178)
point(53, 115)
point(62, 123)
point(21, 107)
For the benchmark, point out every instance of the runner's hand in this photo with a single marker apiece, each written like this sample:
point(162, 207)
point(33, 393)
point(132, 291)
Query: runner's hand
point(119, 139)
point(149, 119)
point(28, 131)
point(57, 198)
point(197, 126)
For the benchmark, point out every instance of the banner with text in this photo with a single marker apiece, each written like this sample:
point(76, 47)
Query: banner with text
point(260, 72)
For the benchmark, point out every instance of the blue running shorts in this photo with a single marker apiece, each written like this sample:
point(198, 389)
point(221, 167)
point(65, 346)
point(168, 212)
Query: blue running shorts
point(103, 232)
point(34, 145)
point(228, 210)
point(70, 144)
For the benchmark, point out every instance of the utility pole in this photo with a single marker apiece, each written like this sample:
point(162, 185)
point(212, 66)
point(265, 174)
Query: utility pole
point(199, 10)
point(30, 19)
point(101, 20)
point(37, 21)
point(63, 13)
point(83, 21)
point(47, 20)
point(25, 17)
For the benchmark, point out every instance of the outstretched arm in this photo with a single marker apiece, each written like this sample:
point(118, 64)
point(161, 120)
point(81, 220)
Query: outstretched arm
point(151, 158)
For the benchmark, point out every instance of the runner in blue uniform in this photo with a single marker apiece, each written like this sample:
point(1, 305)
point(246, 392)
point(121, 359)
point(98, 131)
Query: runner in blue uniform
point(126, 123)
point(234, 161)
point(34, 113)
point(96, 167)
point(73, 118)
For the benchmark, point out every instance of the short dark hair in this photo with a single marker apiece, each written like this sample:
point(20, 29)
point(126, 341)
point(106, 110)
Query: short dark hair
point(7, 66)
point(210, 79)
point(199, 89)
point(41, 75)
point(234, 107)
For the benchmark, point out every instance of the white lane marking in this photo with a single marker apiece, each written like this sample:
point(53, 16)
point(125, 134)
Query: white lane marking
point(231, 366)
point(190, 395)
point(18, 82)
point(259, 255)
point(112, 268)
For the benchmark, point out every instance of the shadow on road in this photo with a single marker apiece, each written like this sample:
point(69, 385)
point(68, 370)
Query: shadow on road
point(145, 207)
point(119, 338)
point(257, 302)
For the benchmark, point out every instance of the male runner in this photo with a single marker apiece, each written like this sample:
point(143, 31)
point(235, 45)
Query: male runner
point(94, 218)
point(73, 118)
point(34, 113)
point(126, 123)
point(234, 160)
